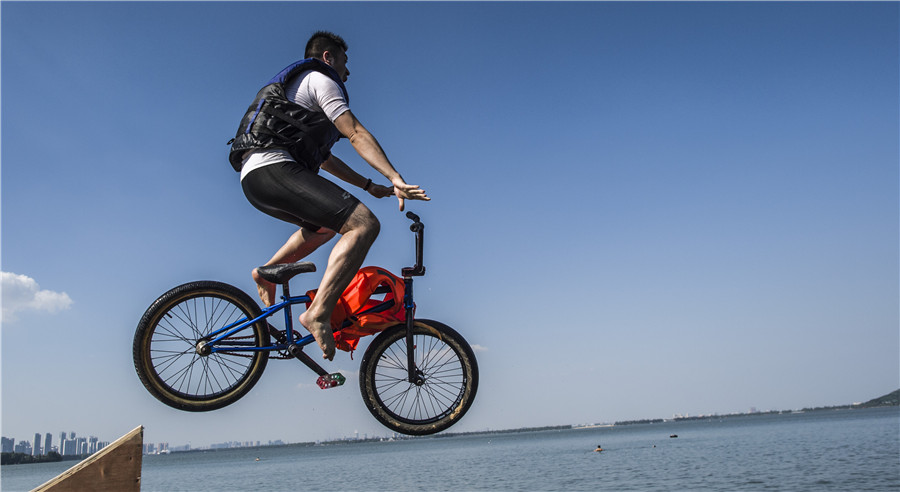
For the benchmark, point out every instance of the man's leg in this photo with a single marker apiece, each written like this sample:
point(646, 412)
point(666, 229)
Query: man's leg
point(300, 245)
point(357, 236)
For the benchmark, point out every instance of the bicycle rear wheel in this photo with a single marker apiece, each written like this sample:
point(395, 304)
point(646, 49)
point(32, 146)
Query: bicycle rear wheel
point(166, 355)
point(448, 369)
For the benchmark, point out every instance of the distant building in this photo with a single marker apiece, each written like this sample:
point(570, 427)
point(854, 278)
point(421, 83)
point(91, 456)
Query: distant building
point(36, 445)
point(48, 443)
point(9, 444)
point(67, 447)
point(23, 447)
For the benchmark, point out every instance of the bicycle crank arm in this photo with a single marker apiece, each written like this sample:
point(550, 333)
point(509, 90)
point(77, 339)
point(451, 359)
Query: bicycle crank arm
point(298, 353)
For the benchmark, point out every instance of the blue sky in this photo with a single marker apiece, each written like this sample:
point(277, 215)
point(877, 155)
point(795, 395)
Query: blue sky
point(638, 209)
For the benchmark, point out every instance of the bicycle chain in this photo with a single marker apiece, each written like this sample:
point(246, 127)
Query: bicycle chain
point(282, 355)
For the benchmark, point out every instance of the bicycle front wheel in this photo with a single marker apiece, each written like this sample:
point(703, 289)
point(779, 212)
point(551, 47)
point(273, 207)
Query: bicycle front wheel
point(448, 378)
point(168, 354)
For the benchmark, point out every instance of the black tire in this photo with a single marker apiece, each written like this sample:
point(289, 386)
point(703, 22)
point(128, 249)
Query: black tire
point(450, 378)
point(165, 347)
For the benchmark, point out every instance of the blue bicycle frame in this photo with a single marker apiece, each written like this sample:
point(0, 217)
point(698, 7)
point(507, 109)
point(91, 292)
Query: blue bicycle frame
point(237, 326)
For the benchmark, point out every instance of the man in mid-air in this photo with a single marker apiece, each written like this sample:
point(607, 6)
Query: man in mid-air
point(284, 138)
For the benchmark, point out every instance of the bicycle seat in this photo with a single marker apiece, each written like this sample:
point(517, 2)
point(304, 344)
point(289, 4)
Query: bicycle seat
point(280, 274)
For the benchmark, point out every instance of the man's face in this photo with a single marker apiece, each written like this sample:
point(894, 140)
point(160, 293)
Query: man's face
point(338, 61)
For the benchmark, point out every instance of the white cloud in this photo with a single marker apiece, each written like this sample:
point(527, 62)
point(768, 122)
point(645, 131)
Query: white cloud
point(478, 348)
point(22, 293)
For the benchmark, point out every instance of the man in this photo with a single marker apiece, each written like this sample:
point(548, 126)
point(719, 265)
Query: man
point(284, 138)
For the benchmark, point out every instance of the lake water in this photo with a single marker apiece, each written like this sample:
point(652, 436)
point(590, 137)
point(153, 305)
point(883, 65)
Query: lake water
point(840, 450)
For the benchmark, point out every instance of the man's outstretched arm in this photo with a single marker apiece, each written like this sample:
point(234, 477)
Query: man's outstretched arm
point(369, 149)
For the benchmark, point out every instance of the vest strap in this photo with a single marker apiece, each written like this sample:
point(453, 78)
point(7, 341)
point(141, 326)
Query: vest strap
point(281, 115)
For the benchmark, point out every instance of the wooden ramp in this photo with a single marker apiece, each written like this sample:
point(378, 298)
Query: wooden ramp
point(116, 467)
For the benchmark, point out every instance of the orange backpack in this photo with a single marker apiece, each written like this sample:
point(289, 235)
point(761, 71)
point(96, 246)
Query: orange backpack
point(359, 314)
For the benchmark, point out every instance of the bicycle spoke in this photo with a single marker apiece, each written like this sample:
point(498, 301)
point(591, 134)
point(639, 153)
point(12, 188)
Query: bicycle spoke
point(231, 369)
point(398, 401)
point(395, 360)
point(215, 324)
point(168, 360)
point(178, 379)
point(171, 330)
point(183, 315)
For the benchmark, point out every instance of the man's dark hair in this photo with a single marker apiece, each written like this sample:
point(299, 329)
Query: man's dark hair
point(323, 41)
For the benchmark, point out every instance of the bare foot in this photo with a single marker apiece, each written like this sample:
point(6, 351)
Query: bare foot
point(266, 289)
point(321, 332)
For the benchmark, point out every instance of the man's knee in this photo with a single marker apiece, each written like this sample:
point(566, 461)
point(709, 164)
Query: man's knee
point(363, 221)
point(372, 226)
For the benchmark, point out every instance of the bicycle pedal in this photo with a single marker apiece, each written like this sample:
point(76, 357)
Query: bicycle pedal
point(331, 380)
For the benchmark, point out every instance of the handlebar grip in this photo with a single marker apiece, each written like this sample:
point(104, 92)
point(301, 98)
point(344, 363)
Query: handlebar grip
point(412, 216)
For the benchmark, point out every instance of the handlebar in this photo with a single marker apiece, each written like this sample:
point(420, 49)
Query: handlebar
point(419, 228)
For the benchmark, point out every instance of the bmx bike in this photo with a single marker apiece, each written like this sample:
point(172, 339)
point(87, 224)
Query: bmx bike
point(203, 345)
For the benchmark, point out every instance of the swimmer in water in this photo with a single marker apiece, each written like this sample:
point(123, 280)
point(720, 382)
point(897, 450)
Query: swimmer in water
point(599, 448)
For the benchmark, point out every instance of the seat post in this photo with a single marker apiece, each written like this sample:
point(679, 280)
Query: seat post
point(288, 322)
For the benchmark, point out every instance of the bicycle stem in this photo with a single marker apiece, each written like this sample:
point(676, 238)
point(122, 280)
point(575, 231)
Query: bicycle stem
point(419, 228)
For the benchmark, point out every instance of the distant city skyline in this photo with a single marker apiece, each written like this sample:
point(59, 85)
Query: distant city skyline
point(69, 444)
point(74, 445)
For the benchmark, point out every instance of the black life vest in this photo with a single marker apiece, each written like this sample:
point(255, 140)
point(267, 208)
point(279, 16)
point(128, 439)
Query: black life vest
point(275, 122)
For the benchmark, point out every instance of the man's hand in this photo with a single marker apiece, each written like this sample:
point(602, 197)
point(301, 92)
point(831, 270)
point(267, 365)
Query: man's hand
point(405, 191)
point(379, 191)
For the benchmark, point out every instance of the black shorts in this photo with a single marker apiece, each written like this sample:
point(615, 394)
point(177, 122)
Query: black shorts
point(292, 193)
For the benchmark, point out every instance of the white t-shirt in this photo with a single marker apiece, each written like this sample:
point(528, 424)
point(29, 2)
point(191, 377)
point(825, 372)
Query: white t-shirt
point(312, 90)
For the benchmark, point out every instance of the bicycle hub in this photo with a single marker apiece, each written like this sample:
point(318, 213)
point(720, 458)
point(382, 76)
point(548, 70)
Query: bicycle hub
point(203, 348)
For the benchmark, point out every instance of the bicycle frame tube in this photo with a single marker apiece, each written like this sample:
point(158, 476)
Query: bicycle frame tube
point(227, 331)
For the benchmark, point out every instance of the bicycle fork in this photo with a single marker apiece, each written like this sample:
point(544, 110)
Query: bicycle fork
point(416, 376)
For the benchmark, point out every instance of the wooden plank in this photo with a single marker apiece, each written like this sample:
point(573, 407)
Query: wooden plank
point(116, 467)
